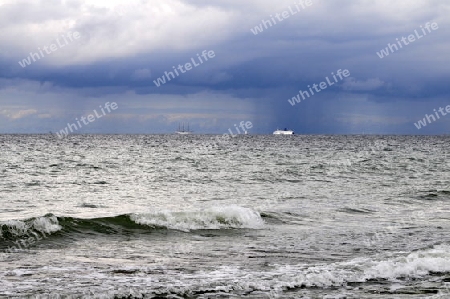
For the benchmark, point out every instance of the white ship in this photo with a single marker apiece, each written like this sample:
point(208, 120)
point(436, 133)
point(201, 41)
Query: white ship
point(283, 132)
point(181, 130)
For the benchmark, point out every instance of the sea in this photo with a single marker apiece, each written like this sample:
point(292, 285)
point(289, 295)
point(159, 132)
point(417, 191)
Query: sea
point(253, 216)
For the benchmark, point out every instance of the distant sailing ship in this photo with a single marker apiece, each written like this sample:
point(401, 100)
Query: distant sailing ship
point(181, 130)
point(283, 132)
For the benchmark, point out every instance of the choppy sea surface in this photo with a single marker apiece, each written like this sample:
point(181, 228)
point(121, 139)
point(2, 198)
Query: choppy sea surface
point(166, 216)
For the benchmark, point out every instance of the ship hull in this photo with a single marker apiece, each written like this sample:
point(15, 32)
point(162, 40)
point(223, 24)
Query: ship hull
point(279, 132)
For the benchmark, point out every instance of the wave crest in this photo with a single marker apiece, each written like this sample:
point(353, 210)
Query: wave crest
point(416, 264)
point(211, 218)
point(13, 229)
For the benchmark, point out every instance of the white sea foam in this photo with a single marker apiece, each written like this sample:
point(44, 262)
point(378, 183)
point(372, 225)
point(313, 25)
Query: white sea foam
point(15, 227)
point(46, 224)
point(210, 218)
point(416, 264)
point(236, 279)
point(283, 277)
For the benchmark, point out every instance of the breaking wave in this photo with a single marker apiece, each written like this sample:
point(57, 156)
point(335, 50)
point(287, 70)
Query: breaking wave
point(14, 229)
point(432, 264)
point(358, 275)
point(233, 217)
point(212, 218)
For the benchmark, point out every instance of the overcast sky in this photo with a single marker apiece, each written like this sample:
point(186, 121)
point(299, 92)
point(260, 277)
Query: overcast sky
point(123, 46)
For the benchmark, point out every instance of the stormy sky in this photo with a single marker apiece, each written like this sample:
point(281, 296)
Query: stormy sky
point(124, 46)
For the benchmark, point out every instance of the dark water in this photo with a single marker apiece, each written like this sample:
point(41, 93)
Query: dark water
point(168, 216)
